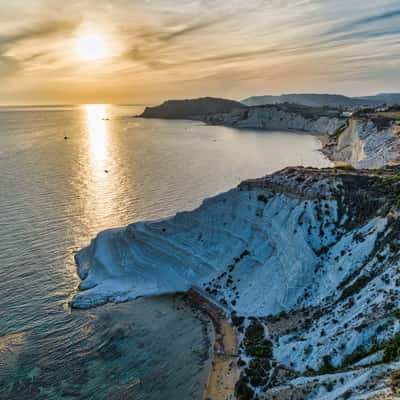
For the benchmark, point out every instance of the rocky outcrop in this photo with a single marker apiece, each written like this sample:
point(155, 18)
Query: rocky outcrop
point(364, 143)
point(191, 109)
point(230, 113)
point(306, 260)
point(284, 117)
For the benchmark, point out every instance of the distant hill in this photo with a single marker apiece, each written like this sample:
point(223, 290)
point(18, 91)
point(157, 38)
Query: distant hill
point(310, 100)
point(190, 109)
point(384, 98)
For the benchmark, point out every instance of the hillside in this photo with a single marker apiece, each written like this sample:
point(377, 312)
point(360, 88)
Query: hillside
point(384, 98)
point(190, 109)
point(311, 100)
point(307, 263)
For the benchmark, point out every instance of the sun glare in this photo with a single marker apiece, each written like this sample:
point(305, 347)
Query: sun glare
point(91, 47)
point(96, 115)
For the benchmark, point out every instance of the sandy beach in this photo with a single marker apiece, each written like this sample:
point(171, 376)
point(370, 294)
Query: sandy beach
point(224, 372)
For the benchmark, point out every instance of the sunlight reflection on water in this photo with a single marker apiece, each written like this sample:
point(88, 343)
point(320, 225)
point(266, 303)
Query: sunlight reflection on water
point(57, 194)
point(96, 115)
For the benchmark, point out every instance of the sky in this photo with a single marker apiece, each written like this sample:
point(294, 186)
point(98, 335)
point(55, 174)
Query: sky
point(152, 50)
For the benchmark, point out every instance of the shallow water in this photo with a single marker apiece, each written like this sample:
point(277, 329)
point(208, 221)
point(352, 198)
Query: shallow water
point(56, 194)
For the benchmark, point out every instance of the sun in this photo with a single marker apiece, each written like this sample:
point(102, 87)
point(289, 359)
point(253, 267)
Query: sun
point(91, 47)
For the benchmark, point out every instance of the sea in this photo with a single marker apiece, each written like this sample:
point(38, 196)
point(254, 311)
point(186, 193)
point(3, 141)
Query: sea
point(68, 172)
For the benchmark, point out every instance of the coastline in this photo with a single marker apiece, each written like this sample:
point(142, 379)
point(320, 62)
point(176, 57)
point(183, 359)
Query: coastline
point(223, 370)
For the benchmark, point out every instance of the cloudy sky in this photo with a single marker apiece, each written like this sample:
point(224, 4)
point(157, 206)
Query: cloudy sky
point(148, 51)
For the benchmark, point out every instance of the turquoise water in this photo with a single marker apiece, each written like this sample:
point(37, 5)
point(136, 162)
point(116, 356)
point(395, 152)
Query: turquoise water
point(56, 194)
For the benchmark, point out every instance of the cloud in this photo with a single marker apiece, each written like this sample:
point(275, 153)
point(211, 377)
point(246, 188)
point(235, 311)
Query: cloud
point(7, 65)
point(366, 27)
point(379, 17)
point(154, 44)
point(48, 29)
point(189, 29)
point(43, 30)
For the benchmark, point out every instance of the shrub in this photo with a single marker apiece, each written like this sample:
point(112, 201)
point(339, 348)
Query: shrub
point(244, 253)
point(257, 372)
point(256, 344)
point(356, 287)
point(391, 351)
point(358, 354)
point(242, 390)
point(276, 318)
point(262, 198)
point(346, 395)
point(240, 363)
point(330, 386)
point(237, 321)
point(326, 367)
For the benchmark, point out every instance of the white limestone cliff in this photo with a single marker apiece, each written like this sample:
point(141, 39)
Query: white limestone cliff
point(364, 145)
point(278, 118)
point(321, 245)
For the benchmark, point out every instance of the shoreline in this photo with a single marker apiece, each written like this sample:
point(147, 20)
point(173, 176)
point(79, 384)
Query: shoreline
point(223, 370)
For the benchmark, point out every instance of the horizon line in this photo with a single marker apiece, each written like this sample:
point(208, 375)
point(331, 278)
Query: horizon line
point(71, 105)
point(42, 105)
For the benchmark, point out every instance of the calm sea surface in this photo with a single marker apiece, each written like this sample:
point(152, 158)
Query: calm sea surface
point(56, 194)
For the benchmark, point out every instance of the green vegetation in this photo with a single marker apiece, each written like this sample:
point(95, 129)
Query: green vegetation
point(365, 196)
point(388, 185)
point(237, 320)
point(389, 238)
point(360, 207)
point(364, 112)
point(307, 111)
point(356, 287)
point(255, 343)
point(257, 372)
point(260, 349)
point(277, 317)
point(358, 354)
point(391, 351)
point(326, 367)
point(242, 390)
point(346, 395)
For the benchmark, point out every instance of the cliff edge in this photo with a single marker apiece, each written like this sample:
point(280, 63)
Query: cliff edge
point(191, 109)
point(306, 262)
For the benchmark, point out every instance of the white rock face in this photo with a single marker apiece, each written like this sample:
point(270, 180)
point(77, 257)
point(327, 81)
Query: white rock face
point(283, 242)
point(358, 384)
point(279, 119)
point(194, 247)
point(363, 145)
point(191, 248)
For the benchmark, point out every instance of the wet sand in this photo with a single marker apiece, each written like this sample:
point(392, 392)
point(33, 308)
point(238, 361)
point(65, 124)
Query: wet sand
point(224, 372)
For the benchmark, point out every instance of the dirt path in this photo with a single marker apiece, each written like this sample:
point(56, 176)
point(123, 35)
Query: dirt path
point(224, 372)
